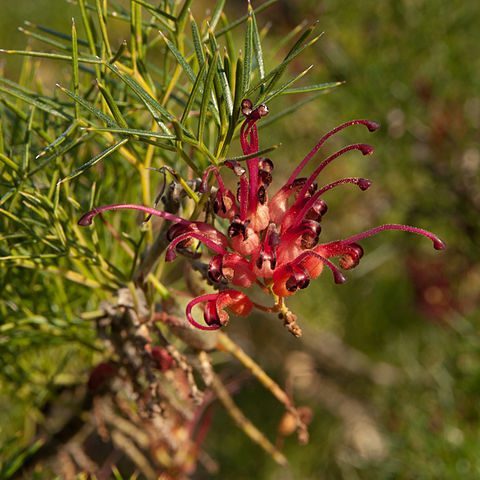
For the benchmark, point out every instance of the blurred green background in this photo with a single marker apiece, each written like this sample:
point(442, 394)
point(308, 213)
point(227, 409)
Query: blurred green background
point(390, 362)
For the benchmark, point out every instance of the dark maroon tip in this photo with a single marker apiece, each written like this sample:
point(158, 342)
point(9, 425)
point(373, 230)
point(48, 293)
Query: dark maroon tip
point(235, 166)
point(439, 244)
point(371, 125)
point(339, 277)
point(262, 110)
point(366, 149)
point(87, 219)
point(246, 107)
point(364, 183)
point(170, 255)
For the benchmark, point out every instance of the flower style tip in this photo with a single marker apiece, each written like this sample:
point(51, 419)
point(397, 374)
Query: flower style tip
point(87, 218)
point(371, 125)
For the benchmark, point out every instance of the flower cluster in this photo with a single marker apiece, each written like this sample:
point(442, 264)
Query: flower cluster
point(272, 242)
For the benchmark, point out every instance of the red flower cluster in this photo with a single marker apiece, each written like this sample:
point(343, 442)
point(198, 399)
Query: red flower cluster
point(271, 242)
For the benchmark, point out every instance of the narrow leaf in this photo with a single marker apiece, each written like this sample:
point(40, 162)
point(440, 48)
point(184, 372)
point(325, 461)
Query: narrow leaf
point(180, 59)
point(197, 41)
point(152, 105)
point(75, 67)
point(221, 78)
point(98, 113)
point(55, 56)
point(217, 11)
point(112, 105)
point(277, 71)
point(257, 45)
point(103, 28)
point(151, 8)
point(273, 118)
point(94, 160)
point(58, 141)
point(239, 21)
point(247, 63)
point(32, 101)
point(287, 84)
point(182, 16)
point(206, 95)
point(193, 93)
point(313, 88)
point(45, 39)
point(131, 131)
point(260, 153)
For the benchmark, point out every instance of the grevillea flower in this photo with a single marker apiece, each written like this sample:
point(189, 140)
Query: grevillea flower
point(272, 242)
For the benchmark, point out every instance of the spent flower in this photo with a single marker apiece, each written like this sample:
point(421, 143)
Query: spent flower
point(270, 242)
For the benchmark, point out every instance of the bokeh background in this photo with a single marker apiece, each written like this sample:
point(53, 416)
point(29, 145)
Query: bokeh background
point(390, 361)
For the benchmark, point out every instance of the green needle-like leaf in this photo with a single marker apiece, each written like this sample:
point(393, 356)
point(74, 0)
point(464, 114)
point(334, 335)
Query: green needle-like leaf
point(197, 41)
point(37, 103)
point(152, 105)
point(313, 88)
point(94, 160)
point(54, 33)
point(285, 85)
point(247, 62)
point(53, 56)
point(257, 45)
point(112, 105)
point(217, 11)
point(132, 131)
point(103, 28)
point(58, 141)
point(182, 16)
point(277, 71)
point(152, 9)
point(206, 96)
point(75, 67)
point(260, 153)
point(180, 59)
point(193, 93)
point(98, 113)
point(240, 20)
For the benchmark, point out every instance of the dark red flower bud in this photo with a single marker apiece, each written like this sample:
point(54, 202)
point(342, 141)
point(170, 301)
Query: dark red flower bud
point(100, 375)
point(163, 360)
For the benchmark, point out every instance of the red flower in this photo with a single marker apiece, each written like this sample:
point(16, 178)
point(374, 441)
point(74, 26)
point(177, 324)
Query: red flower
point(273, 242)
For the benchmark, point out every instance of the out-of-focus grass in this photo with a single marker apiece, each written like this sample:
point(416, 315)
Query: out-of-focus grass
point(411, 65)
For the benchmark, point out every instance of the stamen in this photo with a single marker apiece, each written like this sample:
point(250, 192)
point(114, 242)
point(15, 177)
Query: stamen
point(170, 254)
point(438, 244)
point(87, 218)
point(372, 126)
